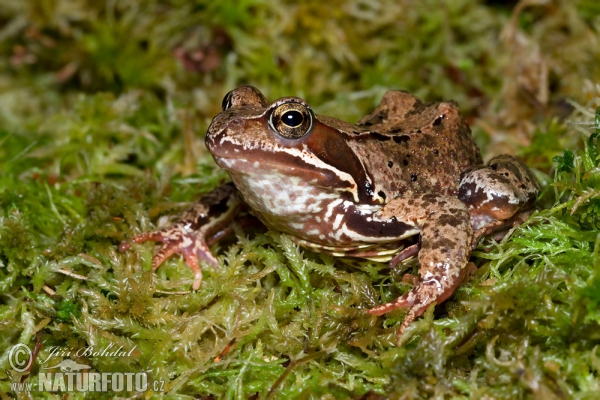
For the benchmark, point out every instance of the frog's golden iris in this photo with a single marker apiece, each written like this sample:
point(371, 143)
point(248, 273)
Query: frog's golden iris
point(291, 120)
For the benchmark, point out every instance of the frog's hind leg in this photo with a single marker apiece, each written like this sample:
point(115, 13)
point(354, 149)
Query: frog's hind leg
point(446, 236)
point(498, 194)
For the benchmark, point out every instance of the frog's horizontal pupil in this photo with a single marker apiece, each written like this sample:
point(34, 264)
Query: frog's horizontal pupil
point(292, 118)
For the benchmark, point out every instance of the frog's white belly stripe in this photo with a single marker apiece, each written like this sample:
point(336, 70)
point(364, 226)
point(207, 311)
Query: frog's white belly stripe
point(330, 207)
point(338, 221)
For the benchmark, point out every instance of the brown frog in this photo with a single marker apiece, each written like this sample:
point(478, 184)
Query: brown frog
point(358, 190)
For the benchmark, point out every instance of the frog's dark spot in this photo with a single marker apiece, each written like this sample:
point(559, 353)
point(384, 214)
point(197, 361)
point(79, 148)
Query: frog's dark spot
point(356, 223)
point(401, 139)
point(496, 180)
point(381, 194)
point(448, 220)
point(517, 172)
point(379, 136)
point(405, 162)
point(390, 164)
point(438, 120)
point(456, 211)
point(523, 186)
point(471, 194)
point(436, 152)
point(430, 197)
point(383, 114)
point(213, 210)
point(527, 179)
point(418, 108)
point(418, 131)
point(426, 203)
point(375, 119)
point(357, 132)
point(506, 174)
point(445, 244)
point(494, 166)
point(395, 130)
point(200, 221)
point(413, 177)
point(219, 208)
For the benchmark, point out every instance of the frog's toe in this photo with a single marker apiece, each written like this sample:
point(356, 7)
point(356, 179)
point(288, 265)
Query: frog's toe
point(406, 300)
point(417, 301)
point(166, 251)
point(192, 261)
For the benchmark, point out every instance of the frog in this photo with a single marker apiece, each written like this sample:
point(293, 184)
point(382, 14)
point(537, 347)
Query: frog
point(405, 181)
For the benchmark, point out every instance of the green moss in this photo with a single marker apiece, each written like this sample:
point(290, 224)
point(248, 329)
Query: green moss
point(102, 109)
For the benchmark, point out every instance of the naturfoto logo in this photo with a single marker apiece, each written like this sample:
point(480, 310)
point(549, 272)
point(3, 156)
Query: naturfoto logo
point(68, 375)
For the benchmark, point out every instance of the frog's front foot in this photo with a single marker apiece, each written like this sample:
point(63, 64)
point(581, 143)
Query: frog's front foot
point(498, 194)
point(175, 239)
point(199, 226)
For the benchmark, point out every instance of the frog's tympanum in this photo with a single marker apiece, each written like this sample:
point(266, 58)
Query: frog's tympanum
point(356, 190)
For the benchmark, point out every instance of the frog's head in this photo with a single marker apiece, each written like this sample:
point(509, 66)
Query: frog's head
point(253, 138)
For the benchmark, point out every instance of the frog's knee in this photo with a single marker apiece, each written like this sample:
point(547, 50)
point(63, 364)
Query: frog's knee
point(518, 174)
point(498, 190)
point(483, 190)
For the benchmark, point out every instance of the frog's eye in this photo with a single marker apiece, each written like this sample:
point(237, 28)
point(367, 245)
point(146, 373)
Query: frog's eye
point(226, 104)
point(291, 120)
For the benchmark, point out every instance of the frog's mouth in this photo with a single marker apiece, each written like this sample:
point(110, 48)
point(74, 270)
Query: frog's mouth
point(264, 165)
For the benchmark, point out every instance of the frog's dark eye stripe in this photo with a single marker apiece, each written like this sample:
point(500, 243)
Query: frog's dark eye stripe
point(291, 120)
point(226, 104)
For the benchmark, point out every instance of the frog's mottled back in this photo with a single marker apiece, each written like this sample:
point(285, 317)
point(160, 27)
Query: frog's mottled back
point(415, 146)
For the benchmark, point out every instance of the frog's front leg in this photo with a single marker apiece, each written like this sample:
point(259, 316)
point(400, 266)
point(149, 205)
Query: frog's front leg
point(498, 194)
point(446, 237)
point(204, 220)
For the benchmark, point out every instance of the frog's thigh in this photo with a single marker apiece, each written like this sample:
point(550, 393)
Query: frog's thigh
point(446, 236)
point(497, 191)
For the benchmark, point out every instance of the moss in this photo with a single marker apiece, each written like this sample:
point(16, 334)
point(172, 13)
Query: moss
point(102, 109)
